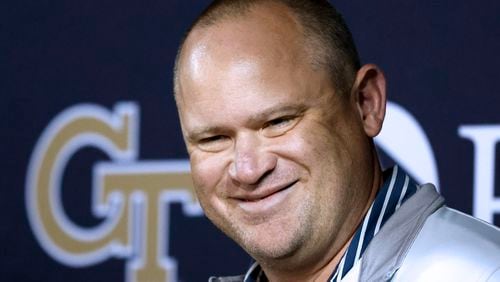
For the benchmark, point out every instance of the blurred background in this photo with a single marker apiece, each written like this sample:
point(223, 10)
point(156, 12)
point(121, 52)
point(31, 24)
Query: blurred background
point(86, 99)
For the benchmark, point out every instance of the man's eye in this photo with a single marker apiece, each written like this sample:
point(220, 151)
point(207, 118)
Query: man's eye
point(282, 121)
point(214, 143)
point(279, 126)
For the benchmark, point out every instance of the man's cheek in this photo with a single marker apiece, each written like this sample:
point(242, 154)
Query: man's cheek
point(305, 146)
point(295, 142)
point(205, 170)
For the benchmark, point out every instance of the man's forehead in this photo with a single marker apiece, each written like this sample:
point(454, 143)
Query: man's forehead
point(267, 29)
point(260, 53)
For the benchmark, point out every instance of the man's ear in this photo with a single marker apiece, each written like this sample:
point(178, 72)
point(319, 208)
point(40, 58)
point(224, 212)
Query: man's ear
point(369, 94)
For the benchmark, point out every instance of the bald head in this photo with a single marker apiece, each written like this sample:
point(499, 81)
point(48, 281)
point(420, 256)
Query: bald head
point(267, 38)
point(315, 25)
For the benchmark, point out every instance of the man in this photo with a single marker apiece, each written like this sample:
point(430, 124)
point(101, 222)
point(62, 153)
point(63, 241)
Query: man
point(278, 117)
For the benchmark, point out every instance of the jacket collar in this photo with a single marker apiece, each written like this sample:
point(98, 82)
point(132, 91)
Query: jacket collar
point(387, 251)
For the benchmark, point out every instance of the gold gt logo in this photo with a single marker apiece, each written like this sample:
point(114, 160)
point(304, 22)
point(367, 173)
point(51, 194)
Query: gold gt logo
point(131, 197)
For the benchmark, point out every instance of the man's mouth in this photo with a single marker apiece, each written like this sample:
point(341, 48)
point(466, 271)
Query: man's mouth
point(265, 200)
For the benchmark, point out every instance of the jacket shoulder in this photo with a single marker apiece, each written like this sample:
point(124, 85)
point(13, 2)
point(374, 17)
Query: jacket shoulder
point(453, 246)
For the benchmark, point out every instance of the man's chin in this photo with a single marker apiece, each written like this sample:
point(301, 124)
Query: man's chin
point(271, 247)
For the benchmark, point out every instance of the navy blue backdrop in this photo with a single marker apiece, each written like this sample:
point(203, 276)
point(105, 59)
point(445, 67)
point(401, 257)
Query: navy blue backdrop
point(440, 58)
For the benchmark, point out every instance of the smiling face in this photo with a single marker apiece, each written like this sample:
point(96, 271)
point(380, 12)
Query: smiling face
point(280, 161)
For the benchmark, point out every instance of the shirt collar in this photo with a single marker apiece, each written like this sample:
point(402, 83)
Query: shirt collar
point(395, 190)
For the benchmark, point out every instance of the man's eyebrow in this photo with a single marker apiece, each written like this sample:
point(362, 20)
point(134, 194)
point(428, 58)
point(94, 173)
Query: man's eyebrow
point(199, 131)
point(275, 110)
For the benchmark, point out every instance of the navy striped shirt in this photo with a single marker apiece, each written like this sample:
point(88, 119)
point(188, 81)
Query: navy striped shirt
point(397, 188)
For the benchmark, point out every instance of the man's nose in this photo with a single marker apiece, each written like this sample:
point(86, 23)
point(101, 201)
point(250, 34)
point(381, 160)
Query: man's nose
point(251, 160)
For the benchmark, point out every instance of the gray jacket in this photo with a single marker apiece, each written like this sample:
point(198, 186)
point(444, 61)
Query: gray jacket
point(427, 241)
